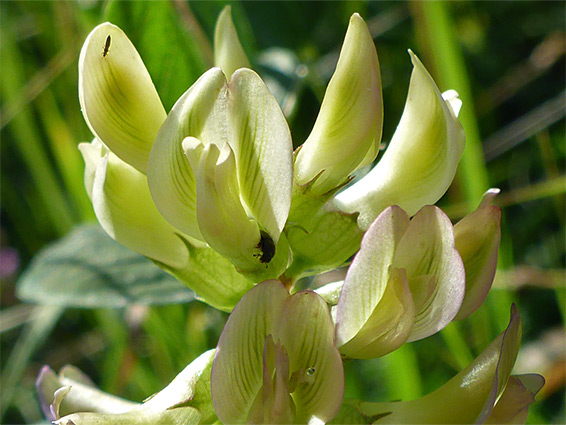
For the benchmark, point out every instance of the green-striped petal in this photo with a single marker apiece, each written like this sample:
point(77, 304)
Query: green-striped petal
point(306, 331)
point(421, 160)
point(237, 371)
point(369, 277)
point(434, 269)
point(199, 113)
point(124, 208)
point(347, 131)
point(221, 217)
point(117, 97)
point(262, 145)
point(268, 332)
point(229, 54)
point(388, 326)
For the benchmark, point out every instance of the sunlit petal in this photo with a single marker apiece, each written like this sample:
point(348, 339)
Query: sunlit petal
point(229, 54)
point(222, 219)
point(434, 269)
point(263, 149)
point(420, 162)
point(117, 97)
point(200, 113)
point(124, 208)
point(347, 132)
point(369, 274)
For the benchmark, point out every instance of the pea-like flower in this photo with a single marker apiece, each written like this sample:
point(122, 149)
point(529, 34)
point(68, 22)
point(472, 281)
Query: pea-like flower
point(276, 360)
point(207, 186)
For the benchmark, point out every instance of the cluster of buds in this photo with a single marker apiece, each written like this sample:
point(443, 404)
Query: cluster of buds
point(213, 193)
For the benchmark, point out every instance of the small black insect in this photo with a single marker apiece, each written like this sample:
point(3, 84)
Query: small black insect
point(267, 247)
point(106, 46)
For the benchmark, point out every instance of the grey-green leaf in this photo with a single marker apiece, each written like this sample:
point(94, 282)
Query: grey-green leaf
point(88, 269)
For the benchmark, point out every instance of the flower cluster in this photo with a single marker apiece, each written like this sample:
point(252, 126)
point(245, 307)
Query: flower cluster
point(213, 193)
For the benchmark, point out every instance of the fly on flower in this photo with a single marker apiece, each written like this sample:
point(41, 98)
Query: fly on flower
point(106, 46)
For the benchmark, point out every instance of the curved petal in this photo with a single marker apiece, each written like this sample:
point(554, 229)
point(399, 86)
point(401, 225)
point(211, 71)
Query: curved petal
point(347, 131)
point(421, 160)
point(229, 54)
point(92, 153)
point(466, 398)
point(434, 269)
point(369, 274)
point(199, 113)
point(264, 152)
point(117, 97)
point(237, 371)
point(274, 343)
point(390, 323)
point(125, 210)
point(477, 239)
point(305, 329)
point(221, 216)
point(519, 394)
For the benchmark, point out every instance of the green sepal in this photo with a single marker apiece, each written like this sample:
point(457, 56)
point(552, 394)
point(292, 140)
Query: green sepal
point(212, 277)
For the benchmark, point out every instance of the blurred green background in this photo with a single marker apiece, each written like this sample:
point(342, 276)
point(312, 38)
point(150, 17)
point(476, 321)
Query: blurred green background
point(507, 61)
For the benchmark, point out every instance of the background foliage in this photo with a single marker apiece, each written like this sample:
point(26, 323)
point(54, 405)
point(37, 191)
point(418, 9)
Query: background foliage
point(505, 58)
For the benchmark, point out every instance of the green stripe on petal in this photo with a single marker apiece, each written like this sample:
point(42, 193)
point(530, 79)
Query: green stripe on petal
point(369, 273)
point(117, 97)
point(199, 113)
point(434, 269)
point(421, 160)
point(305, 329)
point(262, 145)
point(221, 216)
point(124, 208)
point(237, 371)
point(229, 54)
point(273, 344)
point(347, 131)
point(389, 325)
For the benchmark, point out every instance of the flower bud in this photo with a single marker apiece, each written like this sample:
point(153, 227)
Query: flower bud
point(347, 131)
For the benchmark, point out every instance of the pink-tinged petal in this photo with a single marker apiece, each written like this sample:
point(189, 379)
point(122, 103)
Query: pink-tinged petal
point(368, 274)
point(477, 239)
point(519, 394)
point(237, 372)
point(306, 330)
point(117, 97)
point(389, 325)
point(273, 403)
point(434, 269)
point(252, 377)
point(468, 397)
